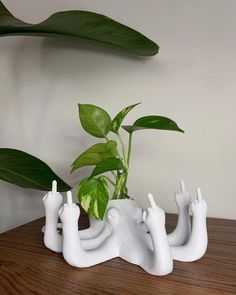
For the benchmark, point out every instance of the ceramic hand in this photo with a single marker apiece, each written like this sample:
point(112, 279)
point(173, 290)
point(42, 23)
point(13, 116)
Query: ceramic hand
point(154, 216)
point(182, 197)
point(69, 212)
point(199, 206)
point(53, 200)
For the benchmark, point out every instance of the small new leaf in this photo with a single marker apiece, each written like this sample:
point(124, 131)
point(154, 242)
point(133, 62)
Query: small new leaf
point(93, 195)
point(116, 122)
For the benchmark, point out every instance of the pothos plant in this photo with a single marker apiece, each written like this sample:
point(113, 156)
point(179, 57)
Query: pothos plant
point(111, 156)
point(21, 168)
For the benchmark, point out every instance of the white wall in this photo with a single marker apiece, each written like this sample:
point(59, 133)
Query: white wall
point(191, 80)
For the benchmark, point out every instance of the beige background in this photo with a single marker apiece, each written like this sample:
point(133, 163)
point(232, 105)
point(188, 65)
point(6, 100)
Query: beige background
point(191, 80)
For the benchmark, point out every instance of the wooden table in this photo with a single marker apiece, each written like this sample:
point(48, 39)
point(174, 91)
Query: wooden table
point(27, 267)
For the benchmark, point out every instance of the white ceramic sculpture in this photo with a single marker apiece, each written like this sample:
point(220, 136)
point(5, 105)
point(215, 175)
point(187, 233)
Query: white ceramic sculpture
point(135, 235)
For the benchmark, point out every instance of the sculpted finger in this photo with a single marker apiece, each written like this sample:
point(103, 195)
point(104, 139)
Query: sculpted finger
point(151, 201)
point(69, 198)
point(199, 195)
point(182, 186)
point(54, 186)
point(45, 197)
point(60, 211)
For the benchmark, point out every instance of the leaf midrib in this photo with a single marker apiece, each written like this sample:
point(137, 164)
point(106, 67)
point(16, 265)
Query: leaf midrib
point(22, 176)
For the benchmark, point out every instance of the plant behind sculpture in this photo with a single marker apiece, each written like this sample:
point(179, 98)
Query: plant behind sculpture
point(21, 168)
point(93, 191)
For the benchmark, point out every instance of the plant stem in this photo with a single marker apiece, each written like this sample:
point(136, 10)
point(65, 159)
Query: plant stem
point(129, 149)
point(128, 162)
point(123, 149)
point(108, 179)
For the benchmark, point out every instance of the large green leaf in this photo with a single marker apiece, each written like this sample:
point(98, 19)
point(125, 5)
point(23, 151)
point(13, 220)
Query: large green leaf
point(109, 164)
point(83, 25)
point(94, 120)
point(93, 195)
point(116, 122)
point(95, 154)
point(153, 122)
point(27, 171)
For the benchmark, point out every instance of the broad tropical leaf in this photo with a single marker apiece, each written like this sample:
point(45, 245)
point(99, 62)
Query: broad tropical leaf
point(153, 122)
point(83, 25)
point(93, 195)
point(95, 154)
point(109, 164)
point(116, 122)
point(27, 171)
point(94, 120)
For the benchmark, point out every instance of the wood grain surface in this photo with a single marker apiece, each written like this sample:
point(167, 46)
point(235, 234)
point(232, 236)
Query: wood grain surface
point(27, 267)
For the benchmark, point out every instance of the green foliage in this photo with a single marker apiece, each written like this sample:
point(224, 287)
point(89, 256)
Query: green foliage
point(94, 120)
point(82, 25)
point(95, 154)
point(94, 192)
point(27, 171)
point(116, 122)
point(109, 164)
point(153, 122)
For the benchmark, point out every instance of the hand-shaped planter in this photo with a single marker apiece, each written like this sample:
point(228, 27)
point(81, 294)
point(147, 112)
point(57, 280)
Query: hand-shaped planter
point(128, 232)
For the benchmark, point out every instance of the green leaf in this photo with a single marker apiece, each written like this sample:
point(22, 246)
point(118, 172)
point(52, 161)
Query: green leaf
point(121, 185)
point(116, 122)
point(153, 122)
point(27, 171)
point(109, 164)
point(93, 195)
point(82, 25)
point(111, 147)
point(94, 120)
point(95, 154)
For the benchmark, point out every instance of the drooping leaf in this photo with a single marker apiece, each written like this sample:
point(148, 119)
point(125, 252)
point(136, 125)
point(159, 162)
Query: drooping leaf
point(116, 122)
point(153, 122)
point(94, 120)
point(83, 25)
point(27, 171)
point(93, 195)
point(95, 154)
point(109, 164)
